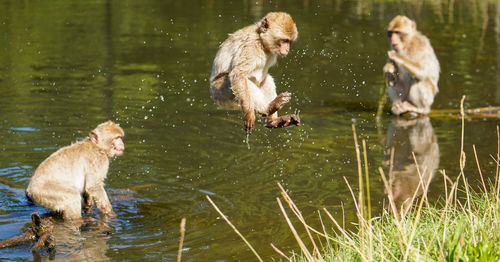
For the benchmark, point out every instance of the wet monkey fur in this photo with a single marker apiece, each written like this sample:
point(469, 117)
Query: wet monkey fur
point(240, 78)
point(76, 173)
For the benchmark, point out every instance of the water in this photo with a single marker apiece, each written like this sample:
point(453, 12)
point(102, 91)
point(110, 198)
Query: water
point(66, 66)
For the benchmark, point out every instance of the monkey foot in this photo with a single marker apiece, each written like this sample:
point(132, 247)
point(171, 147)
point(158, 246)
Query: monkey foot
point(407, 110)
point(399, 108)
point(282, 99)
point(277, 103)
point(283, 121)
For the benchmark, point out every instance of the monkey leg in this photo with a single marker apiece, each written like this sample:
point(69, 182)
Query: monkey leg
point(73, 211)
point(421, 95)
point(98, 194)
point(58, 198)
point(262, 94)
point(282, 121)
point(278, 103)
point(419, 100)
point(221, 93)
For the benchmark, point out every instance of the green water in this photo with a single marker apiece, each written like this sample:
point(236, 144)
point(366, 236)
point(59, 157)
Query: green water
point(66, 66)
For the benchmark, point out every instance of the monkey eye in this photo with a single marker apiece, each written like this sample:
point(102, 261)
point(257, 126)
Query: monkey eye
point(389, 33)
point(287, 41)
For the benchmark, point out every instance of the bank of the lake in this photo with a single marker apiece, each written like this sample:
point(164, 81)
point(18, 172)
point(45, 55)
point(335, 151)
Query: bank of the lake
point(463, 226)
point(465, 230)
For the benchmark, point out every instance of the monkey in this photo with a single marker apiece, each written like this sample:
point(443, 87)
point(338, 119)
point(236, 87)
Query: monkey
point(240, 78)
point(75, 174)
point(412, 70)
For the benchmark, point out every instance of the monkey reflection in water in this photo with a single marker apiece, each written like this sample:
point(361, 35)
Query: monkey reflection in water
point(87, 243)
point(408, 180)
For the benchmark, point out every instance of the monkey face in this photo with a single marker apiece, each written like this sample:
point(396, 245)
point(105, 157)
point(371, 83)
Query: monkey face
point(277, 31)
point(117, 147)
point(108, 136)
point(400, 29)
point(283, 47)
point(396, 40)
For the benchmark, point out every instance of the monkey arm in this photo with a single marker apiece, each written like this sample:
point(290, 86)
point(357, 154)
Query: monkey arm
point(98, 194)
point(415, 68)
point(239, 85)
point(277, 103)
point(94, 188)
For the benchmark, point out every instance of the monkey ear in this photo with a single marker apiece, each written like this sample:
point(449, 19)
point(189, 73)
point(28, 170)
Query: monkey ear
point(94, 137)
point(264, 25)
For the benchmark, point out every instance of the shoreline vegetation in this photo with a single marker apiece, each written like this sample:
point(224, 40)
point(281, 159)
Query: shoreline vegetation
point(463, 226)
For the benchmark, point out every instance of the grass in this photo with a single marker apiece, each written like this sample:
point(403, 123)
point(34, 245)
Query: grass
point(466, 231)
point(461, 229)
point(465, 226)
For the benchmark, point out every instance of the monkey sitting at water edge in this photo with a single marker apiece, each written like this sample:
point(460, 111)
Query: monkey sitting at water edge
point(412, 70)
point(76, 173)
point(240, 78)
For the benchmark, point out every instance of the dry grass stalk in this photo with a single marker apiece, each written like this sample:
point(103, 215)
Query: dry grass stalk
point(326, 234)
point(280, 252)
point(392, 205)
point(298, 214)
point(367, 181)
point(479, 169)
point(234, 228)
point(181, 242)
point(302, 246)
point(497, 176)
point(352, 244)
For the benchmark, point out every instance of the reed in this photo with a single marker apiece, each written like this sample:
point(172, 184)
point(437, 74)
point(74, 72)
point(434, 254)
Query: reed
point(181, 240)
point(234, 228)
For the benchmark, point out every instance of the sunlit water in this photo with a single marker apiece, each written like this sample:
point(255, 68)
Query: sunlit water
point(66, 66)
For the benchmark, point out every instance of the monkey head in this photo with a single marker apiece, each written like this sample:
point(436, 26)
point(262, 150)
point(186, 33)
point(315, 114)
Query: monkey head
point(108, 137)
point(400, 29)
point(277, 31)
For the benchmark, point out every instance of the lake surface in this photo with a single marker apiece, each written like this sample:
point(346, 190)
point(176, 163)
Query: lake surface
point(66, 66)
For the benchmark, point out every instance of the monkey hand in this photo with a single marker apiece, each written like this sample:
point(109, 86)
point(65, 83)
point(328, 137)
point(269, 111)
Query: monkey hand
point(249, 121)
point(391, 54)
point(394, 56)
point(389, 68)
